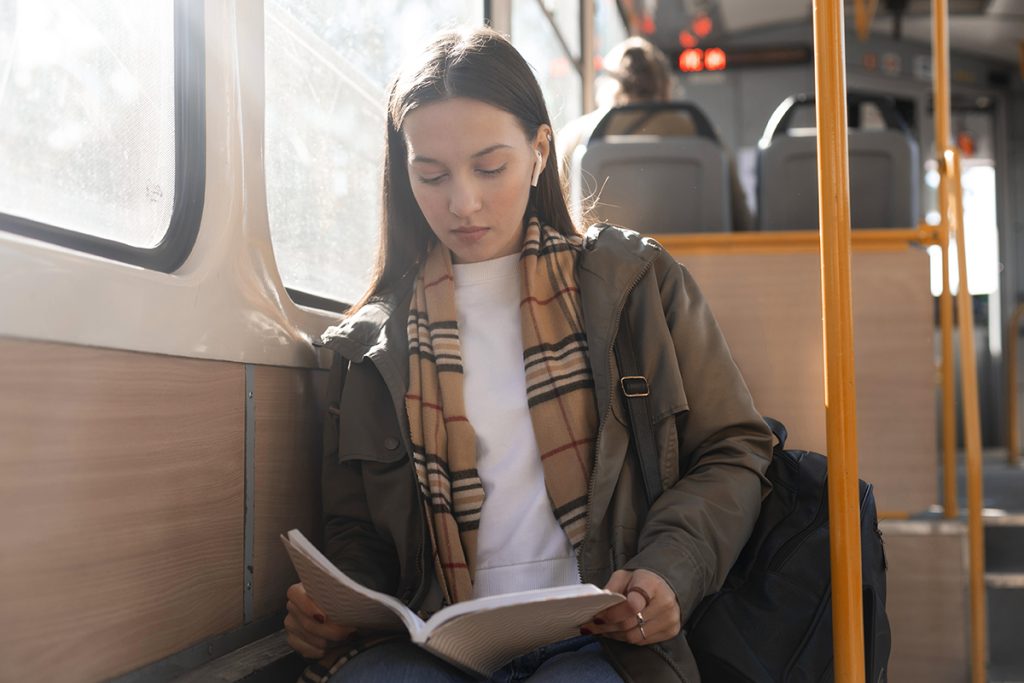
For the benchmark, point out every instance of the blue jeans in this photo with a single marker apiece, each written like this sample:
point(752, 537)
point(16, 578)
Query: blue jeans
point(575, 659)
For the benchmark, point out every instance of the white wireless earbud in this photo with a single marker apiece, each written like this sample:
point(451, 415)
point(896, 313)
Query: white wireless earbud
point(537, 168)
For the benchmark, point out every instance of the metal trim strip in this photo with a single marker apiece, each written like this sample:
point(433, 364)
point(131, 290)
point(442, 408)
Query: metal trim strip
point(250, 487)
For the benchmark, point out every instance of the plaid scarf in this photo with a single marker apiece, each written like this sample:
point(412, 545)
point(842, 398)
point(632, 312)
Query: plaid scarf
point(559, 388)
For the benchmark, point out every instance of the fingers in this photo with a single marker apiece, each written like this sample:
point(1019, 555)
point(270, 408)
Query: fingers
point(298, 596)
point(310, 633)
point(300, 640)
point(619, 581)
point(648, 595)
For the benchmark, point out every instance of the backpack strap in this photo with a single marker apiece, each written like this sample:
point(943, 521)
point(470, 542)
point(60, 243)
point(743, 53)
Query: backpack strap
point(635, 389)
point(778, 429)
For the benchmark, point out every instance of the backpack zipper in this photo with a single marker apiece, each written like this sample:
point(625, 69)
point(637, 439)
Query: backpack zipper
point(790, 546)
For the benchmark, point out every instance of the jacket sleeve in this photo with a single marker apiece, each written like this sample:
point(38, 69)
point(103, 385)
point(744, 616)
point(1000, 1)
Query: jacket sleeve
point(351, 540)
point(695, 530)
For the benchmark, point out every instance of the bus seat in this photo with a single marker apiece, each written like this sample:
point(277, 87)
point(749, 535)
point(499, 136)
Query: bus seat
point(884, 171)
point(654, 167)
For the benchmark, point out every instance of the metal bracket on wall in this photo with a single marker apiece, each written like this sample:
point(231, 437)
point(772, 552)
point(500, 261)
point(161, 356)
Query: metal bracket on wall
point(250, 483)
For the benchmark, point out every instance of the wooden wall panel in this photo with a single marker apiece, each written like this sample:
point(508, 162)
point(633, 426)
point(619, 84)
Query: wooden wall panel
point(287, 495)
point(769, 307)
point(121, 484)
point(927, 601)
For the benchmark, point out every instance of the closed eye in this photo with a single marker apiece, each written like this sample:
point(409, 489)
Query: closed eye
point(434, 180)
point(492, 171)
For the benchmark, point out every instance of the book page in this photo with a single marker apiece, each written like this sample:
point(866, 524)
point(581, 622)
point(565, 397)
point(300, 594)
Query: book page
point(486, 633)
point(345, 601)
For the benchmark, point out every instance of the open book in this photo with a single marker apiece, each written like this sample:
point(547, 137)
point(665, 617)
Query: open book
point(477, 635)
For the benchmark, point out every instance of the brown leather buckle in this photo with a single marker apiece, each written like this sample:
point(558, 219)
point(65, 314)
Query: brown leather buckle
point(634, 386)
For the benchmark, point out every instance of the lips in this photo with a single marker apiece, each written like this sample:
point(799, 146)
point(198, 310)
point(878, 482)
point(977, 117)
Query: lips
point(469, 229)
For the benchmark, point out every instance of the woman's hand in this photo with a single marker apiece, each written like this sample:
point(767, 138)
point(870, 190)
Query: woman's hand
point(309, 631)
point(646, 594)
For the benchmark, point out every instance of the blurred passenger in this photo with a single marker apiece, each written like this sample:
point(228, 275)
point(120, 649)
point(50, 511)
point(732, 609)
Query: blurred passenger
point(633, 72)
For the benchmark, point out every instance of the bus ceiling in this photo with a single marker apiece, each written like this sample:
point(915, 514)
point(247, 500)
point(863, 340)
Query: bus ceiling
point(990, 28)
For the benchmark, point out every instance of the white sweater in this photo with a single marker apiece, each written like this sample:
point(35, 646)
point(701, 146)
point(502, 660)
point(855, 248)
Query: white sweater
point(520, 544)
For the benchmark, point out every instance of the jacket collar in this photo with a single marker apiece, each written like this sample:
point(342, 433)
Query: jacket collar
point(375, 330)
point(612, 262)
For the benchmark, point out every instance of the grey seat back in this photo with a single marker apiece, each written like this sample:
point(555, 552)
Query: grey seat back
point(884, 182)
point(655, 184)
point(885, 175)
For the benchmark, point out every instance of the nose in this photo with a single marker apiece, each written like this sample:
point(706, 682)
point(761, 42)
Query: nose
point(464, 199)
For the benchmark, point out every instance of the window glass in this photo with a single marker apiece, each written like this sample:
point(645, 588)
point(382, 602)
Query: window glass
point(566, 15)
point(609, 30)
point(559, 78)
point(327, 65)
point(87, 139)
point(981, 233)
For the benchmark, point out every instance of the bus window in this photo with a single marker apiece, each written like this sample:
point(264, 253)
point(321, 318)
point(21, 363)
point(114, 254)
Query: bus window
point(609, 28)
point(535, 36)
point(87, 120)
point(326, 70)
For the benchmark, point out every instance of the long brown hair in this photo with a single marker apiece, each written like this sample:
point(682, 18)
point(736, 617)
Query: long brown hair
point(479, 64)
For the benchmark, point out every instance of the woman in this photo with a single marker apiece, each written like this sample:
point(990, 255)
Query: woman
point(477, 441)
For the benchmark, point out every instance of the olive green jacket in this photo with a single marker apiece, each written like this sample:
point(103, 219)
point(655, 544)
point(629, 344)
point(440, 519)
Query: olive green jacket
point(713, 446)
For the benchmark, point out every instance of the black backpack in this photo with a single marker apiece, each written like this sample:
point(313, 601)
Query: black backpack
point(772, 620)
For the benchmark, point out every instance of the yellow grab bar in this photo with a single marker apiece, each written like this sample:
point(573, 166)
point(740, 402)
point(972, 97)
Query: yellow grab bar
point(940, 69)
point(840, 398)
point(794, 241)
point(864, 14)
point(951, 198)
point(972, 423)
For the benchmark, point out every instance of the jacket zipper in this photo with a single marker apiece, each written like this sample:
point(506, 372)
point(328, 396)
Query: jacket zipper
point(600, 427)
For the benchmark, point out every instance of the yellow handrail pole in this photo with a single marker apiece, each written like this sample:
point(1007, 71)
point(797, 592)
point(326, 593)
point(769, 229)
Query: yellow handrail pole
point(1012, 432)
point(840, 398)
point(940, 69)
point(864, 14)
point(972, 425)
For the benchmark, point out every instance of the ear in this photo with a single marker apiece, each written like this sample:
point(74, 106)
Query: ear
point(542, 142)
point(542, 149)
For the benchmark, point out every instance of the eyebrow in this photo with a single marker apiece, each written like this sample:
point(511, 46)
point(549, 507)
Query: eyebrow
point(484, 152)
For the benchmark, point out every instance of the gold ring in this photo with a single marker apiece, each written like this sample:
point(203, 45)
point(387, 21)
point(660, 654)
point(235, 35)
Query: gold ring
point(640, 621)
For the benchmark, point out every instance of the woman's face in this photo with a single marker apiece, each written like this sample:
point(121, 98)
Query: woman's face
point(470, 166)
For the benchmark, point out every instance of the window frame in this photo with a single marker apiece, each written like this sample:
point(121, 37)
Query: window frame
point(189, 163)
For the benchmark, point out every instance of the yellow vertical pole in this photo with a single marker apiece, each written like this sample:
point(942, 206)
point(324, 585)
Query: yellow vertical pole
point(840, 398)
point(864, 14)
point(952, 220)
point(1012, 432)
point(940, 70)
point(972, 425)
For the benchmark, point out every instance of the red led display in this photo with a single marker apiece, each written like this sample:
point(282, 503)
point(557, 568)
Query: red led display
point(714, 59)
point(702, 26)
point(691, 60)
